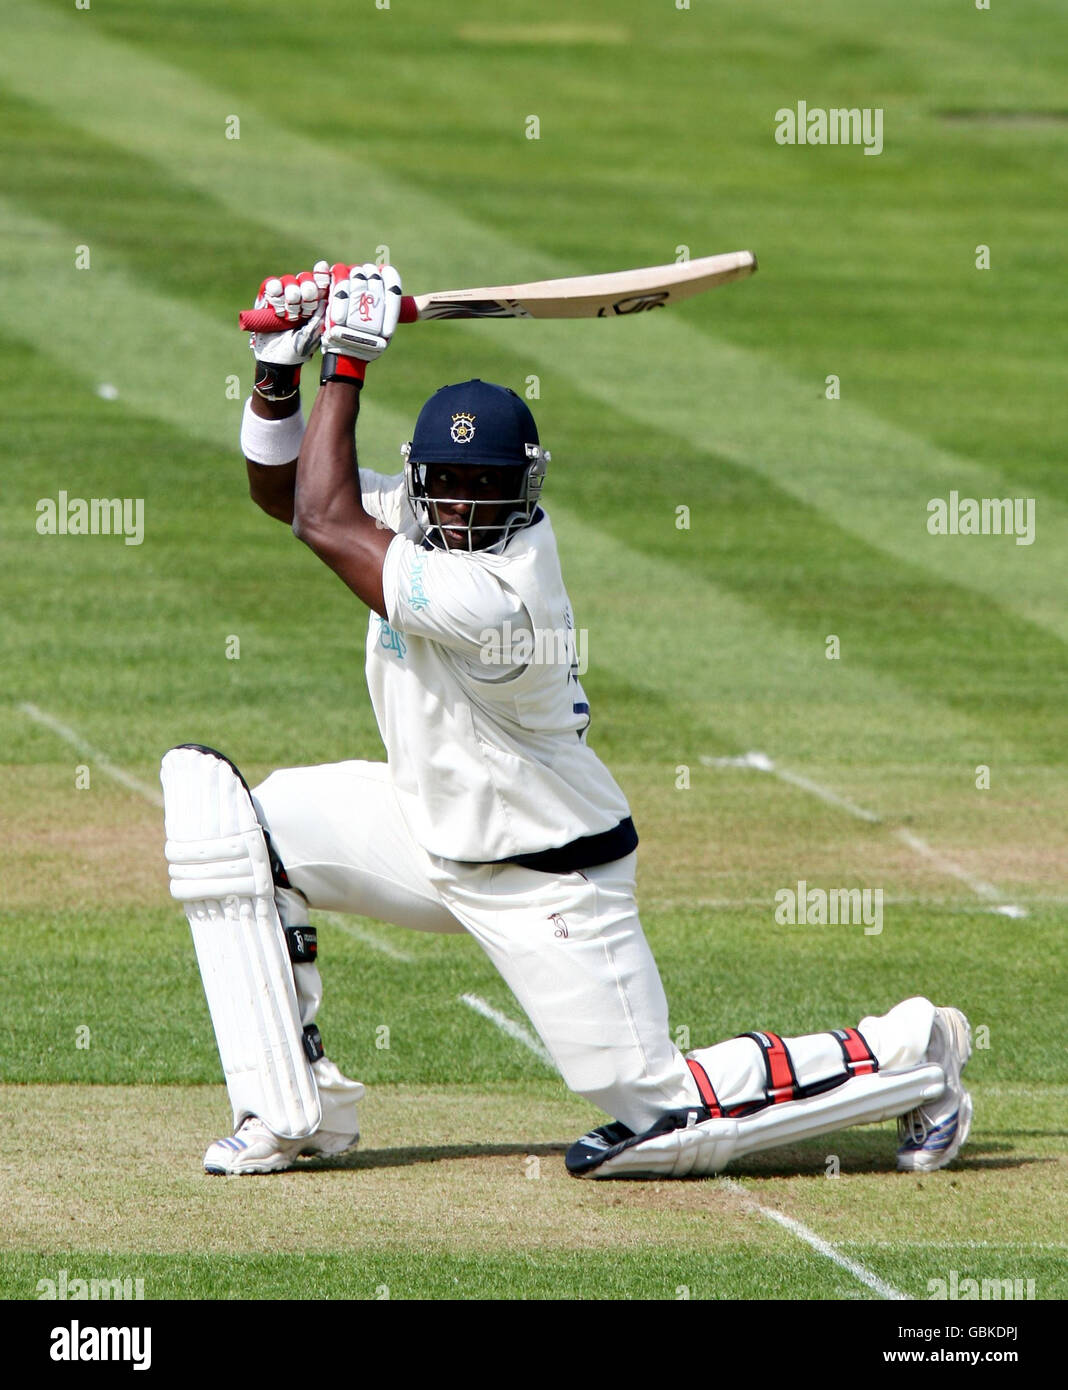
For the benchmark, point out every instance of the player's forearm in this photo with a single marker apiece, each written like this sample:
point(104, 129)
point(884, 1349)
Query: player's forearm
point(271, 486)
point(328, 481)
point(329, 515)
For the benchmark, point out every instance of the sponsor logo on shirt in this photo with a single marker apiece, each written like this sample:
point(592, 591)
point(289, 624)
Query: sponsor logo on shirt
point(417, 597)
point(391, 639)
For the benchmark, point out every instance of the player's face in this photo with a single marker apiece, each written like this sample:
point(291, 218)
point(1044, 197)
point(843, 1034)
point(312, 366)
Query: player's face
point(476, 495)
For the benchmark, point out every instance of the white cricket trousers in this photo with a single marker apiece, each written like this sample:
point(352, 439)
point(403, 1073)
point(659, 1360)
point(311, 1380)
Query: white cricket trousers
point(570, 947)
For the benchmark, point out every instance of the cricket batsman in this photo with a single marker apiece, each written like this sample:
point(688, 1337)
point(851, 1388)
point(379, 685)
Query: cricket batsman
point(492, 814)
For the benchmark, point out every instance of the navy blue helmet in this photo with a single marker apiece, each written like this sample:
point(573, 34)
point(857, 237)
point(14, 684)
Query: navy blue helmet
point(476, 423)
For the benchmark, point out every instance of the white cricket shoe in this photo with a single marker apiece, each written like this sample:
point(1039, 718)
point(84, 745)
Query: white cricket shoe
point(253, 1148)
point(931, 1136)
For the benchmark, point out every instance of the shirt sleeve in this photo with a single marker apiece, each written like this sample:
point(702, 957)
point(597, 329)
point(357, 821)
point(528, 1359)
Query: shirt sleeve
point(450, 598)
point(385, 498)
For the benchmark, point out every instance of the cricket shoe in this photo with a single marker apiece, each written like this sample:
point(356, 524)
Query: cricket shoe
point(253, 1148)
point(931, 1136)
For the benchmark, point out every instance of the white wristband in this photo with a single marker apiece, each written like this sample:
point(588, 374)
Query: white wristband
point(271, 442)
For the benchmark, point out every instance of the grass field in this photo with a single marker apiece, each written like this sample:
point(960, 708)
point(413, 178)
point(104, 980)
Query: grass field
point(405, 128)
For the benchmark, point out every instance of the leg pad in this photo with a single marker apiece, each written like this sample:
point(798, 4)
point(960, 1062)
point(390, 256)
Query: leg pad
point(688, 1143)
point(222, 874)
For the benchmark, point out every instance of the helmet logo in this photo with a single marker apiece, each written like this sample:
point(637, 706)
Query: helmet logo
point(463, 428)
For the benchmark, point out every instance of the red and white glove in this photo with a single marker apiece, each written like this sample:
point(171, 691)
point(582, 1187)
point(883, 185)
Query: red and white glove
point(299, 305)
point(362, 311)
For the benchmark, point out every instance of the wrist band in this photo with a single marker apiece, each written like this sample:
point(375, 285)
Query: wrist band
point(271, 442)
point(277, 381)
point(339, 368)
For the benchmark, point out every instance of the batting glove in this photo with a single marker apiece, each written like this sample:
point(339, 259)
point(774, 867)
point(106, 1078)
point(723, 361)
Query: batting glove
point(361, 314)
point(299, 305)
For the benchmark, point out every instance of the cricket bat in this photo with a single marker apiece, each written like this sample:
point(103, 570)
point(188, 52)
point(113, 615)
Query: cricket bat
point(577, 297)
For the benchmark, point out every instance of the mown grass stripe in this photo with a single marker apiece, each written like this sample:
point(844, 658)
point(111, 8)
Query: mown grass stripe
point(178, 121)
point(208, 351)
point(777, 424)
point(771, 668)
point(148, 332)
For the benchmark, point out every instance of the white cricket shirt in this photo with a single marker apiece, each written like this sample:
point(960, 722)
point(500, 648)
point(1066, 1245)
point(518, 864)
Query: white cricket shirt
point(475, 687)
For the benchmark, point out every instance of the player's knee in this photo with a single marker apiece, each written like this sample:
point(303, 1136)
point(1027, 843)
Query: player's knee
point(274, 801)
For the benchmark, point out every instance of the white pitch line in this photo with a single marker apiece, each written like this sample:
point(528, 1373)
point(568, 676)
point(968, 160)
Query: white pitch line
point(760, 762)
point(821, 1246)
point(960, 1244)
point(509, 1026)
point(977, 885)
point(103, 762)
point(374, 942)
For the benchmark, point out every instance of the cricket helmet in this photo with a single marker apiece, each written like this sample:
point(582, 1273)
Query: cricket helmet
point(470, 424)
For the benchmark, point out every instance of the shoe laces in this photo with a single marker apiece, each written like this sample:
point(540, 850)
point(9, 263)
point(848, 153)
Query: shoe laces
point(915, 1127)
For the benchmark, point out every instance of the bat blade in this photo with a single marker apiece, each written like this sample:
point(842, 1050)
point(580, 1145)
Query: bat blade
point(590, 296)
point(576, 297)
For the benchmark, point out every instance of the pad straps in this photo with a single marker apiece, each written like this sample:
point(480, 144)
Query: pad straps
point(781, 1082)
point(708, 1094)
point(857, 1055)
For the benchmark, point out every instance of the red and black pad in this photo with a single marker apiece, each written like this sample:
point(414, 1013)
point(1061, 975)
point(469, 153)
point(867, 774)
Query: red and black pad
point(859, 1059)
point(781, 1083)
point(704, 1086)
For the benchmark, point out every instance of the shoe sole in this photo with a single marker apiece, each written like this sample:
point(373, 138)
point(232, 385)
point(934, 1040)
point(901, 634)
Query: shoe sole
point(280, 1165)
point(239, 1165)
point(252, 1171)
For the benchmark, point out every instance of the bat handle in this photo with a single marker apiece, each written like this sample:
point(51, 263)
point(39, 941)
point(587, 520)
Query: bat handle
point(266, 320)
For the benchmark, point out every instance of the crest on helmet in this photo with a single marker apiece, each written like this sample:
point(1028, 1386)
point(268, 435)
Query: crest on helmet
point(463, 428)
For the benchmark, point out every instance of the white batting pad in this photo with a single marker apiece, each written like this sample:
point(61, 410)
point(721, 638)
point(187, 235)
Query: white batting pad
point(703, 1149)
point(221, 873)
